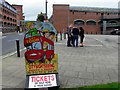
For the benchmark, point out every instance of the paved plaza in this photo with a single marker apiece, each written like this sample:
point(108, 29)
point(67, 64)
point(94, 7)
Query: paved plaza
point(95, 63)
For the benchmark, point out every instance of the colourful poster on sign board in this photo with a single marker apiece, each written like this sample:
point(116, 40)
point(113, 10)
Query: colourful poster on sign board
point(46, 67)
point(39, 56)
point(32, 24)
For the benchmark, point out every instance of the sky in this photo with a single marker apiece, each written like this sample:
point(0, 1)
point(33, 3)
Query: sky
point(31, 8)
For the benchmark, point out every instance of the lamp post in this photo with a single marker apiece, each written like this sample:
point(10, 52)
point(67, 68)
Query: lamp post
point(46, 9)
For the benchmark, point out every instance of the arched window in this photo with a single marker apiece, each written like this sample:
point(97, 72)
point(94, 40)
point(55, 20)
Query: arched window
point(7, 18)
point(4, 17)
point(5, 24)
point(79, 22)
point(8, 24)
point(112, 22)
point(90, 22)
point(100, 23)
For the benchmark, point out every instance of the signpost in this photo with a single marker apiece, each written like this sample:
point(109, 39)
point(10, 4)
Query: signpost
point(41, 61)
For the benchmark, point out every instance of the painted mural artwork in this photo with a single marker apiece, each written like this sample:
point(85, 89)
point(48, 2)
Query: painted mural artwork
point(39, 56)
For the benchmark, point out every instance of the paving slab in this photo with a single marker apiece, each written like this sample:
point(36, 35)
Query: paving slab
point(95, 63)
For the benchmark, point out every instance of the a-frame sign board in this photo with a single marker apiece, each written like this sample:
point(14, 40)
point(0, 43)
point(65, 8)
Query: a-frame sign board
point(40, 59)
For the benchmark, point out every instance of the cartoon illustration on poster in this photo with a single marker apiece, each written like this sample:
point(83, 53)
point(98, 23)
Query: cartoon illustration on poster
point(39, 56)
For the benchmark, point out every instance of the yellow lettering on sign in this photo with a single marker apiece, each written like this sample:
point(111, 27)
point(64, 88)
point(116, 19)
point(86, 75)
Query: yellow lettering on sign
point(33, 39)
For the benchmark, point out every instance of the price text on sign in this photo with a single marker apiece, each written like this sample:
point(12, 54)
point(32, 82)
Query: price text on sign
point(39, 81)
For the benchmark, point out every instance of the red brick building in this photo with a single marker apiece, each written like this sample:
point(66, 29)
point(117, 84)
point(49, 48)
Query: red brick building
point(93, 20)
point(10, 16)
point(20, 16)
point(1, 17)
point(8, 20)
point(19, 9)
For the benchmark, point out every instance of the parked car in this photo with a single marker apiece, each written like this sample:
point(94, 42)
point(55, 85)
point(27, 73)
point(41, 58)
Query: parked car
point(115, 32)
point(118, 32)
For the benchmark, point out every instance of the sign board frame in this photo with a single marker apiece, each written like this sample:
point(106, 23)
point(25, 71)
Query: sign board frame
point(41, 62)
point(55, 83)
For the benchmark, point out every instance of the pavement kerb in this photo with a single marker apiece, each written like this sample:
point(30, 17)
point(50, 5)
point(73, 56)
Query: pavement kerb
point(10, 54)
point(3, 34)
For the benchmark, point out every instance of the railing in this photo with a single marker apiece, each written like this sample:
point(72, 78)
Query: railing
point(110, 25)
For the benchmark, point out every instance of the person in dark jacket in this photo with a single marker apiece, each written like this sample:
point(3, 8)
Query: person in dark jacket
point(69, 41)
point(81, 33)
point(75, 32)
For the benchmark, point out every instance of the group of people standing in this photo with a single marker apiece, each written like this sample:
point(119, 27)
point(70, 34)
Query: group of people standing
point(73, 36)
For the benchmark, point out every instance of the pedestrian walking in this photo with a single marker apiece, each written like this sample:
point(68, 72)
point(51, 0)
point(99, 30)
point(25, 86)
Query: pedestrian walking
point(81, 33)
point(69, 41)
point(75, 32)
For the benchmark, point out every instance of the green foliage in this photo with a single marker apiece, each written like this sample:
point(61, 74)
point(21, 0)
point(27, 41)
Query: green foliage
point(40, 17)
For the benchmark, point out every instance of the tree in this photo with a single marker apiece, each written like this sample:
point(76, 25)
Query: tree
point(40, 17)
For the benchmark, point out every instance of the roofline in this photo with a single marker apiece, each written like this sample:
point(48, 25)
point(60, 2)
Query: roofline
point(10, 5)
point(60, 4)
point(16, 5)
point(94, 9)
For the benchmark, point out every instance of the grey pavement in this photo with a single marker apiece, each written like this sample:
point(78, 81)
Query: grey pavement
point(95, 63)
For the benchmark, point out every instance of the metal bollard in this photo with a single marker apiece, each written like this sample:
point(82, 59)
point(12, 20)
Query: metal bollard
point(60, 36)
point(64, 35)
point(56, 37)
point(18, 48)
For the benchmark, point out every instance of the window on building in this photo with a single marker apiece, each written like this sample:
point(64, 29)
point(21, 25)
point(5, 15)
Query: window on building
point(7, 18)
point(10, 19)
point(3, 10)
point(102, 14)
point(8, 24)
point(4, 17)
point(100, 23)
point(73, 12)
point(79, 22)
point(113, 22)
point(91, 22)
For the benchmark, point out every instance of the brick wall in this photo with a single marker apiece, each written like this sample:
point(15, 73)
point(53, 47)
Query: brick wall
point(60, 17)
point(63, 16)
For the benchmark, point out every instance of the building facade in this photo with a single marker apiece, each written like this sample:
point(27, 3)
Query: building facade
point(0, 16)
point(94, 20)
point(20, 17)
point(9, 20)
point(10, 16)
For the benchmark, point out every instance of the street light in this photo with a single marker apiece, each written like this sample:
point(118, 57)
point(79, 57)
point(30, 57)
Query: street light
point(46, 9)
